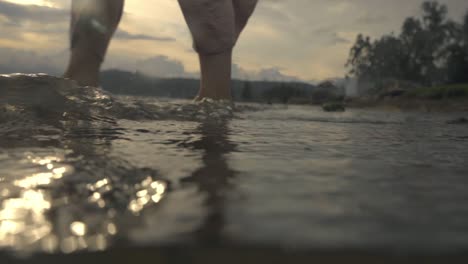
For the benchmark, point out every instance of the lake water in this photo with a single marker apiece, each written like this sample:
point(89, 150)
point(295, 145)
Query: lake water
point(80, 171)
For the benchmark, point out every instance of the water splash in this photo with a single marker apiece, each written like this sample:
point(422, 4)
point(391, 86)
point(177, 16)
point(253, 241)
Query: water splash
point(52, 99)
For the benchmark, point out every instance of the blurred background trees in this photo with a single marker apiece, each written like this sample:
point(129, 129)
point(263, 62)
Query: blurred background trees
point(430, 50)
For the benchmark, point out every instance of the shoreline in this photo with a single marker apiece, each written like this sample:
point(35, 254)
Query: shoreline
point(409, 104)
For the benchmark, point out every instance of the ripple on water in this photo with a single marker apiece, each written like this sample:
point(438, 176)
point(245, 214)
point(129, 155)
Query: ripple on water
point(54, 200)
point(82, 170)
point(61, 189)
point(50, 99)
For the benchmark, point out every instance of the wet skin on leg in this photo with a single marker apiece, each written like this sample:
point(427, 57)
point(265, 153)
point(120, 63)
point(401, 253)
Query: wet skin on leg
point(92, 25)
point(215, 82)
point(215, 27)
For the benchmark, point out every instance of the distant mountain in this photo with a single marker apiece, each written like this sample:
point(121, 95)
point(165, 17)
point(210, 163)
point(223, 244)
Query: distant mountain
point(128, 83)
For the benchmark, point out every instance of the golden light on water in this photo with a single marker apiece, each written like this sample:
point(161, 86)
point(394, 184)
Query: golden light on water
point(43, 178)
point(78, 228)
point(69, 245)
point(25, 222)
point(44, 160)
point(112, 228)
point(101, 183)
point(23, 218)
point(151, 191)
point(38, 179)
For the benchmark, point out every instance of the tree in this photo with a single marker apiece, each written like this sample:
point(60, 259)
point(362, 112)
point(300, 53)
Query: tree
point(429, 50)
point(436, 36)
point(359, 57)
point(465, 31)
point(413, 38)
point(457, 65)
point(457, 55)
point(282, 93)
point(434, 15)
point(247, 91)
point(381, 59)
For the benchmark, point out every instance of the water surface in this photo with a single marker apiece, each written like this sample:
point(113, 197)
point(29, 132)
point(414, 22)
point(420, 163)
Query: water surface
point(83, 171)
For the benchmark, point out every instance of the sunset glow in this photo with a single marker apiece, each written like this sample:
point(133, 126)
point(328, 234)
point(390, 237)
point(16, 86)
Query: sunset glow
point(32, 2)
point(303, 39)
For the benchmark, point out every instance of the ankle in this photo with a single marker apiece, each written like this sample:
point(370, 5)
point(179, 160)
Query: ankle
point(84, 68)
point(216, 76)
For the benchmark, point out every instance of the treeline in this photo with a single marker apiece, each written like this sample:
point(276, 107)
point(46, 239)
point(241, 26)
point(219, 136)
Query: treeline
point(430, 50)
point(128, 83)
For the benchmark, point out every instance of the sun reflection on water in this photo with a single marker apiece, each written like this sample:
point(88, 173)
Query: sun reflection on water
point(78, 228)
point(54, 172)
point(43, 206)
point(23, 220)
point(150, 191)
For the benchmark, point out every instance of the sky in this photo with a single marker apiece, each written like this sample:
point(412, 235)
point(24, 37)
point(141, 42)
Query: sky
point(307, 40)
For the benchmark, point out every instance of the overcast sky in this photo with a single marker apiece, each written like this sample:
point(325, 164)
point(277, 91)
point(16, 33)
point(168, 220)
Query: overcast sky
point(286, 39)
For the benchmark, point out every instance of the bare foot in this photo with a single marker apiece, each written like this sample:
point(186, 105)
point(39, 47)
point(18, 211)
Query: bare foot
point(84, 68)
point(83, 77)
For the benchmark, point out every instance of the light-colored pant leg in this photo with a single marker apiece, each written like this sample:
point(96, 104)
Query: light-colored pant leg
point(93, 23)
point(243, 9)
point(216, 24)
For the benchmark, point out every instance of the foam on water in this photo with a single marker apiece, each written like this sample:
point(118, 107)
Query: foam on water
point(53, 98)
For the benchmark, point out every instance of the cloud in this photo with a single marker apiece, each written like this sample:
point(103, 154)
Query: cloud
point(18, 14)
point(43, 19)
point(369, 18)
point(274, 74)
point(324, 29)
point(161, 66)
point(337, 39)
point(308, 39)
point(26, 61)
point(271, 74)
point(124, 35)
point(165, 67)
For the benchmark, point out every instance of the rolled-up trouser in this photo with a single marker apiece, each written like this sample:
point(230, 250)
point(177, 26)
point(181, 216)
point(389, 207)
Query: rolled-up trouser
point(93, 23)
point(216, 24)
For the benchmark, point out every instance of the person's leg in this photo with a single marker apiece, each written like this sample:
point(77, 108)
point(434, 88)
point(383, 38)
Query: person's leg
point(92, 25)
point(212, 25)
point(215, 26)
point(243, 9)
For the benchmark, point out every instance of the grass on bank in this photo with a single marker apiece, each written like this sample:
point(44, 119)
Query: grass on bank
point(440, 92)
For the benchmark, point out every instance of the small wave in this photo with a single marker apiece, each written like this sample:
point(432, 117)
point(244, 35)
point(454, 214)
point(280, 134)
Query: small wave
point(37, 105)
point(66, 200)
point(36, 96)
point(312, 114)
